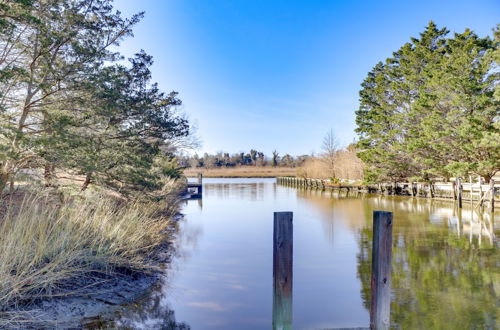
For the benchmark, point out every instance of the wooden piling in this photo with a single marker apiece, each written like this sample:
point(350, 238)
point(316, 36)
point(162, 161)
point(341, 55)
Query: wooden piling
point(481, 194)
point(492, 195)
point(471, 190)
point(381, 271)
point(282, 270)
point(459, 192)
point(200, 187)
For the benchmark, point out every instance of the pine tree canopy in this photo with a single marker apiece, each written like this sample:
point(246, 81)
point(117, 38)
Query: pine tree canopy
point(433, 109)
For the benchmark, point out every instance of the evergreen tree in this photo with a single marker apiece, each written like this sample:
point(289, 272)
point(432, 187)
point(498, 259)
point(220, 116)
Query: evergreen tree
point(429, 110)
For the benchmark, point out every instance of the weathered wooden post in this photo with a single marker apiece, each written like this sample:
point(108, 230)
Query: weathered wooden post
point(454, 190)
point(459, 192)
point(471, 187)
point(381, 270)
point(200, 178)
point(481, 194)
point(492, 196)
point(282, 270)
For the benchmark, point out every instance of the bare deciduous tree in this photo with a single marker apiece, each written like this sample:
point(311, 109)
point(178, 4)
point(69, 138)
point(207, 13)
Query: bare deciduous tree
point(330, 147)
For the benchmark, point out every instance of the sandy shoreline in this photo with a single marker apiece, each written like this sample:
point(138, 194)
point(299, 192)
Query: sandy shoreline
point(90, 302)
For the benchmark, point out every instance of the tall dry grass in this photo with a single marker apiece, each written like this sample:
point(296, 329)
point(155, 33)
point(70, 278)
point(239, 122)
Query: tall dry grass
point(46, 245)
point(242, 172)
point(346, 165)
point(314, 168)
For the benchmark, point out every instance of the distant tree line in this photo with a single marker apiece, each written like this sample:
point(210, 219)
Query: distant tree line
point(69, 101)
point(252, 158)
point(433, 109)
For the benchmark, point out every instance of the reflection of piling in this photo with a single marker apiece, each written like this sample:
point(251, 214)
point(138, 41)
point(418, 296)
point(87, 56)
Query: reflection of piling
point(282, 270)
point(381, 270)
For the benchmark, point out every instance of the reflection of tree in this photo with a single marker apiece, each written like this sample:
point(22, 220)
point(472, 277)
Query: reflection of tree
point(440, 280)
point(445, 276)
point(330, 208)
point(151, 314)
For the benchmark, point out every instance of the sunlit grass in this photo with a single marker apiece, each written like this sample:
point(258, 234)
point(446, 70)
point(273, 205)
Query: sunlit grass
point(242, 172)
point(45, 244)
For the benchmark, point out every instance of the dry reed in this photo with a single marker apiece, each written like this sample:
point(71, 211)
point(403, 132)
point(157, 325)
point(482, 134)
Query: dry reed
point(242, 172)
point(45, 246)
point(346, 166)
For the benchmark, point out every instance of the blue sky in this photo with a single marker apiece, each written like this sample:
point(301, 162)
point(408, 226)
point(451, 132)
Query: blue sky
point(279, 74)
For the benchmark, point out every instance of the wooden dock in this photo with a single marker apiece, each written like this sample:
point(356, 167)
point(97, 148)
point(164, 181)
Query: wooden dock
point(456, 190)
point(195, 189)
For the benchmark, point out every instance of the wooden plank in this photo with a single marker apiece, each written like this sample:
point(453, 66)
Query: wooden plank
point(381, 270)
point(282, 270)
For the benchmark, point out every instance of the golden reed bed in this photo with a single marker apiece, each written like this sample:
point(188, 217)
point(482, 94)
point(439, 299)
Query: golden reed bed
point(242, 172)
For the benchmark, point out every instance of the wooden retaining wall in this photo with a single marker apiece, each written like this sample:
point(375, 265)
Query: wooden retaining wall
point(458, 190)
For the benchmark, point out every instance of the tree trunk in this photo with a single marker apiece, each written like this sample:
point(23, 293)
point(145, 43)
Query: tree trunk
point(4, 179)
point(86, 183)
point(48, 174)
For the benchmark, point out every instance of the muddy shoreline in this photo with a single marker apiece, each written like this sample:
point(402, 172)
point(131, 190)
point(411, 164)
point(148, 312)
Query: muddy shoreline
point(93, 301)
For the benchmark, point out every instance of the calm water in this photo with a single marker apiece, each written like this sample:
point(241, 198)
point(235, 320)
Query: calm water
point(446, 264)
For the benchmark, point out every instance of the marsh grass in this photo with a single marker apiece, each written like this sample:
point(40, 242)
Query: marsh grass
point(242, 172)
point(48, 247)
point(346, 166)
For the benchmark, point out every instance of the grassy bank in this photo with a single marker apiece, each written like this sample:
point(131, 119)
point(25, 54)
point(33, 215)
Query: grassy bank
point(242, 172)
point(50, 245)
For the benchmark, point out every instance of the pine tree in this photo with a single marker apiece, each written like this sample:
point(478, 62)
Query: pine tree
point(430, 109)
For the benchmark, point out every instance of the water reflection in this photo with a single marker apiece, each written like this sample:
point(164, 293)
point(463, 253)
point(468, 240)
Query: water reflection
point(445, 267)
point(150, 313)
point(446, 261)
